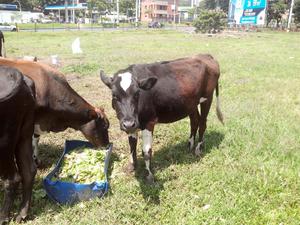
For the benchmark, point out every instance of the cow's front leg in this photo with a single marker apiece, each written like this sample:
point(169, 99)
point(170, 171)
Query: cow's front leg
point(132, 165)
point(147, 150)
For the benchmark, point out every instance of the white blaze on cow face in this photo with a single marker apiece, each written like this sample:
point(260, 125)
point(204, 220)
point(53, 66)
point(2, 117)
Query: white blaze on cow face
point(126, 79)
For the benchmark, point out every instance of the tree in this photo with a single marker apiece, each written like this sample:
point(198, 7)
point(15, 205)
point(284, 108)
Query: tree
point(26, 5)
point(193, 12)
point(99, 5)
point(127, 7)
point(210, 21)
point(214, 4)
point(275, 11)
point(297, 11)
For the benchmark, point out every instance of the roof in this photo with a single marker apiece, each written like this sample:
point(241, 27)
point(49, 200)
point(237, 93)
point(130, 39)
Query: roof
point(63, 7)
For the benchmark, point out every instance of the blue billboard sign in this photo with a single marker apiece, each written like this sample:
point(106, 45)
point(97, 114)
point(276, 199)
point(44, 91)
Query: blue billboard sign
point(248, 11)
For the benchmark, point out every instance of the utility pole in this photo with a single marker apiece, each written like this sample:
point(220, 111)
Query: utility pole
point(290, 15)
point(66, 12)
point(118, 11)
point(73, 12)
point(136, 12)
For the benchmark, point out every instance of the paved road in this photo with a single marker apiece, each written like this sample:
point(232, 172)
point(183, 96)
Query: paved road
point(180, 28)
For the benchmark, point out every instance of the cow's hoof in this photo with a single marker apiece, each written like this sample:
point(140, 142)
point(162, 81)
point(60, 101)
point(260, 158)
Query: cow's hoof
point(129, 168)
point(198, 149)
point(150, 179)
point(20, 218)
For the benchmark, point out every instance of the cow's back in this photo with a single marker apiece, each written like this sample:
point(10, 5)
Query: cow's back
point(180, 85)
point(58, 106)
point(38, 72)
point(10, 84)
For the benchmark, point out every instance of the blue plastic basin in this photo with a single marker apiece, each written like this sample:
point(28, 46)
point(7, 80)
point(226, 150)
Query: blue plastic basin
point(70, 193)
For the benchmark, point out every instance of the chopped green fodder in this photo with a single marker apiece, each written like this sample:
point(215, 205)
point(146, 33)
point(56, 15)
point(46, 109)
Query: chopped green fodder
point(82, 166)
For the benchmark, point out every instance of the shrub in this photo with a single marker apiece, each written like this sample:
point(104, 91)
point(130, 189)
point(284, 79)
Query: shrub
point(211, 21)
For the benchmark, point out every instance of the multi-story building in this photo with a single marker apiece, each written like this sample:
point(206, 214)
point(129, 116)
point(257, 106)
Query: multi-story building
point(159, 10)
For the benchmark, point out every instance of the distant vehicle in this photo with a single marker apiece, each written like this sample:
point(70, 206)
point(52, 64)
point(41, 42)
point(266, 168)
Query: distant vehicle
point(7, 27)
point(45, 20)
point(155, 24)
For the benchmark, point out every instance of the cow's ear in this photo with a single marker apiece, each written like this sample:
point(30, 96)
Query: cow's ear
point(148, 83)
point(105, 79)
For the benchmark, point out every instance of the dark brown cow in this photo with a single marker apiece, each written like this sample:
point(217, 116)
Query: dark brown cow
point(164, 92)
point(58, 106)
point(16, 128)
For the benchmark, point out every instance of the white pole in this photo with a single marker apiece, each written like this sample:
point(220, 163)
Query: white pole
point(20, 5)
point(73, 12)
point(290, 15)
point(136, 12)
point(117, 11)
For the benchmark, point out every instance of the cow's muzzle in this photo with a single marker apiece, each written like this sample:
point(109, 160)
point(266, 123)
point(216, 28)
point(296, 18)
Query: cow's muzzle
point(129, 126)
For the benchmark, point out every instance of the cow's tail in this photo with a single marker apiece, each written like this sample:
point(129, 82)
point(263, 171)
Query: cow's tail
point(218, 108)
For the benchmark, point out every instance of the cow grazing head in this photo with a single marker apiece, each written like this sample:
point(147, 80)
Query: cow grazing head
point(96, 131)
point(126, 90)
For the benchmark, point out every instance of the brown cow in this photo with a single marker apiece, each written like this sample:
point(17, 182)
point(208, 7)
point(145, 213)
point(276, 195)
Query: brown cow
point(17, 105)
point(164, 92)
point(58, 106)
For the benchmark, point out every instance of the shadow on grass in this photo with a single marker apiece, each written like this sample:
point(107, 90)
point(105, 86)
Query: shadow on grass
point(49, 155)
point(168, 155)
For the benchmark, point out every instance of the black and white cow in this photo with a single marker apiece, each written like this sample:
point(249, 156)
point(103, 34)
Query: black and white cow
point(164, 92)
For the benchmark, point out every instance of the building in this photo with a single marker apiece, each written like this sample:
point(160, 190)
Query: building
point(67, 12)
point(159, 10)
point(10, 13)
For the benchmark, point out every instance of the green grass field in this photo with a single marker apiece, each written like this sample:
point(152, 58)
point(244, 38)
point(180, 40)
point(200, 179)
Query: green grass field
point(250, 170)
